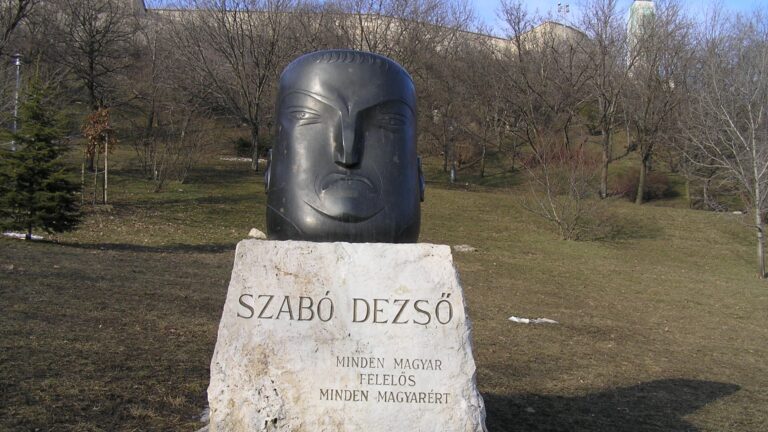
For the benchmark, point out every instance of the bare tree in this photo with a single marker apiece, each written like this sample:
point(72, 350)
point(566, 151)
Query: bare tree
point(480, 96)
point(421, 35)
point(546, 76)
point(314, 25)
point(173, 146)
point(233, 50)
point(443, 98)
point(171, 115)
point(728, 121)
point(12, 13)
point(408, 31)
point(657, 84)
point(607, 51)
point(93, 38)
point(547, 80)
point(702, 181)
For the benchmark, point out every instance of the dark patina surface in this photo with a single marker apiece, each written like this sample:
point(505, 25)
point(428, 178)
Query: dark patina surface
point(344, 165)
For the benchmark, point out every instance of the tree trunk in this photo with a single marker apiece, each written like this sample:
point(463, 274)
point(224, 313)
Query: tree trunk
point(95, 181)
point(688, 193)
point(106, 165)
point(606, 160)
point(255, 147)
point(94, 108)
point(445, 152)
point(82, 181)
point(759, 225)
point(514, 153)
point(155, 175)
point(482, 161)
point(760, 242)
point(29, 231)
point(641, 180)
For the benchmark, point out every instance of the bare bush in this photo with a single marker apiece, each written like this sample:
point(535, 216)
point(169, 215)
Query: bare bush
point(657, 185)
point(562, 187)
point(168, 151)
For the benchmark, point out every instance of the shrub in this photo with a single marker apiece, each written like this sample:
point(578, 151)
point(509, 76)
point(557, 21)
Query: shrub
point(242, 147)
point(265, 146)
point(657, 185)
point(562, 181)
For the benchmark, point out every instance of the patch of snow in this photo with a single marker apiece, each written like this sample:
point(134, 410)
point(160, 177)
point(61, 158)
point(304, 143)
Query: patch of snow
point(21, 235)
point(464, 248)
point(254, 233)
point(239, 159)
point(738, 212)
point(520, 320)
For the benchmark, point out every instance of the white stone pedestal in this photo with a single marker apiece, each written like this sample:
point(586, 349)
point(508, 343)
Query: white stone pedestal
point(344, 337)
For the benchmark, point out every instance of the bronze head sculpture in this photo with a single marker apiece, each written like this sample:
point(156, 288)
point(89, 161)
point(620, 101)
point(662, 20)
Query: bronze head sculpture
point(344, 164)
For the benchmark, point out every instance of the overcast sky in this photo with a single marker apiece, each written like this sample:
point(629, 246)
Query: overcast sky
point(486, 9)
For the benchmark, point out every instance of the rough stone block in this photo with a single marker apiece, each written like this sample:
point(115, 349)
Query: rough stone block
point(344, 337)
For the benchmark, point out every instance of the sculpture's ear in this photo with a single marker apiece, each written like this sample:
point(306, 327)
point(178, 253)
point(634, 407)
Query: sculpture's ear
point(422, 182)
point(268, 171)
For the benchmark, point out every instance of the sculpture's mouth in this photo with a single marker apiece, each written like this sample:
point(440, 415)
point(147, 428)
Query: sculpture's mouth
point(346, 197)
point(349, 182)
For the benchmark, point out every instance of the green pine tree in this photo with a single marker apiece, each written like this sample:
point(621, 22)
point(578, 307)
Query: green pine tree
point(35, 191)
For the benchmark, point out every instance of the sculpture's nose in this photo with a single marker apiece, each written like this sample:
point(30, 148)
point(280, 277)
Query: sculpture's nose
point(346, 150)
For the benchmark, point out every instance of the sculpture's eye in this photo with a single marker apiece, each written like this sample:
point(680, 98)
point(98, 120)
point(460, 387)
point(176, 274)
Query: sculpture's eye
point(391, 120)
point(302, 114)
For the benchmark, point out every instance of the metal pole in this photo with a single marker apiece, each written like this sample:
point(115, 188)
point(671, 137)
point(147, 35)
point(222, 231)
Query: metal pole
point(17, 58)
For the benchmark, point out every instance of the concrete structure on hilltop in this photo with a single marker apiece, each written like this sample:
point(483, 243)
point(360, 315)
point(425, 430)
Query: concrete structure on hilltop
point(558, 30)
point(547, 30)
point(551, 32)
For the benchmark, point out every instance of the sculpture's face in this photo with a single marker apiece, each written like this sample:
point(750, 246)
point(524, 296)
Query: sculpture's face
point(344, 166)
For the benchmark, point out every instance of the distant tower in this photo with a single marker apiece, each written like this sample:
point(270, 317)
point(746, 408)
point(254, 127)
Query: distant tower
point(640, 11)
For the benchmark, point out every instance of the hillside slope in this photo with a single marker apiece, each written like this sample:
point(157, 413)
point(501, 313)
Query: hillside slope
point(112, 327)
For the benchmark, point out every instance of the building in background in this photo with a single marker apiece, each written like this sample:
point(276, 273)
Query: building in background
point(639, 12)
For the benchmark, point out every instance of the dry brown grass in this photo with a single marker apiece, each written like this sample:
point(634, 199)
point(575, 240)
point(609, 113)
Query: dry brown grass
point(112, 328)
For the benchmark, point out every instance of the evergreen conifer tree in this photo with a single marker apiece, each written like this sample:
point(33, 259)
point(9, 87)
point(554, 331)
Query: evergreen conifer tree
point(35, 191)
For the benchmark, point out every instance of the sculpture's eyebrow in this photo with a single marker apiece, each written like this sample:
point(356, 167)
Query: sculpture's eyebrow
point(397, 100)
point(326, 100)
point(341, 105)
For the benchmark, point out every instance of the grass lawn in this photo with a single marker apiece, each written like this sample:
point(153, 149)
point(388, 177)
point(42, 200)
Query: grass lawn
point(112, 327)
